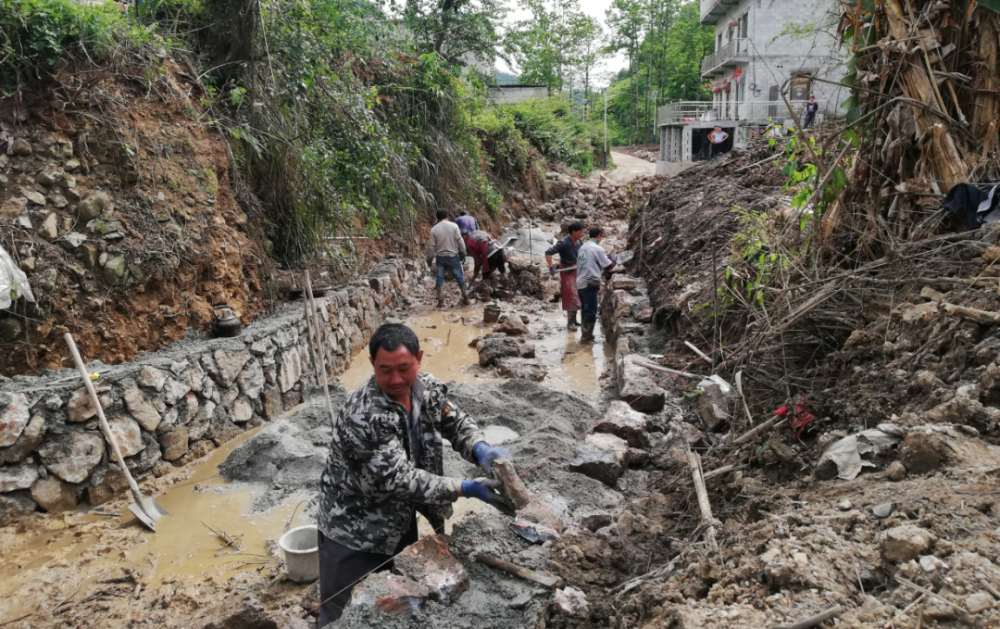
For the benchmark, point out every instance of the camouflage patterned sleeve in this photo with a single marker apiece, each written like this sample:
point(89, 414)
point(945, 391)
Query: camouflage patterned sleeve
point(460, 429)
point(382, 465)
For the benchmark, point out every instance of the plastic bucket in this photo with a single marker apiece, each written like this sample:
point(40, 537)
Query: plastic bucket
point(301, 548)
point(491, 312)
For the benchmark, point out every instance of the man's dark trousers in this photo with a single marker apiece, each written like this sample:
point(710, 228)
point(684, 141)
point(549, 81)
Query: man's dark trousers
point(718, 149)
point(588, 299)
point(341, 568)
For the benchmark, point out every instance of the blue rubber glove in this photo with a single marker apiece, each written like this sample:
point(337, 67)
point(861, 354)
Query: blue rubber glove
point(552, 270)
point(487, 454)
point(484, 490)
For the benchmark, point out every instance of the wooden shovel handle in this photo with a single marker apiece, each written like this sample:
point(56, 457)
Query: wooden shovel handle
point(105, 428)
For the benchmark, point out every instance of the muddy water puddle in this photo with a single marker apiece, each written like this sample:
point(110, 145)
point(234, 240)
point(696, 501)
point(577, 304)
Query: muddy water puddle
point(445, 337)
point(96, 548)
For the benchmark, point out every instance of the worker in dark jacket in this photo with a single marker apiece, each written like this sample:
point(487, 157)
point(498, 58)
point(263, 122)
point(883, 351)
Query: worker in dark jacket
point(567, 249)
point(386, 463)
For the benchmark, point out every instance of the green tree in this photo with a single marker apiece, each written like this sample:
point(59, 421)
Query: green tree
point(627, 23)
point(463, 32)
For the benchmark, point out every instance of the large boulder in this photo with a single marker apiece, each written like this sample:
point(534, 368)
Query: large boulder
point(251, 380)
point(14, 477)
point(127, 434)
point(175, 443)
point(140, 409)
point(15, 506)
point(105, 483)
point(623, 421)
point(30, 439)
point(72, 456)
point(289, 370)
point(14, 416)
point(53, 495)
point(226, 366)
point(638, 387)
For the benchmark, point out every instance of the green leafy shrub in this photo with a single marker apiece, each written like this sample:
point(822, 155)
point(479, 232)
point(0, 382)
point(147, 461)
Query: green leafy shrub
point(37, 34)
point(549, 125)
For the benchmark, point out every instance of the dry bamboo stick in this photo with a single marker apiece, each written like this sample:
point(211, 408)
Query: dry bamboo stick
point(694, 349)
point(812, 621)
point(548, 580)
point(747, 436)
point(694, 462)
point(319, 348)
point(982, 316)
point(675, 372)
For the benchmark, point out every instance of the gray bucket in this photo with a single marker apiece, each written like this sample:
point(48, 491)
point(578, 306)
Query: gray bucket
point(301, 548)
point(491, 312)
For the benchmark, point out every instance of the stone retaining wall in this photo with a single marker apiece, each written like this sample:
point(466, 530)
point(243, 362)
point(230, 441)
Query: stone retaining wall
point(175, 405)
point(625, 317)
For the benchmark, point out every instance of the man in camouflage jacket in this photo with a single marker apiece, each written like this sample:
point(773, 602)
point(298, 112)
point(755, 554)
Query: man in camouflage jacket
point(386, 462)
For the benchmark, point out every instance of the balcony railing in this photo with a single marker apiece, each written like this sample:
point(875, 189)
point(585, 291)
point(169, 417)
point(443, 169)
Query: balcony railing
point(739, 47)
point(748, 111)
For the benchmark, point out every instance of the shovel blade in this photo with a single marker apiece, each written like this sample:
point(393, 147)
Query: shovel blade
point(147, 512)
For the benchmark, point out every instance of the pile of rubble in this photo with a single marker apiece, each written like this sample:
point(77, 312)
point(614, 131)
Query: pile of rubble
point(576, 199)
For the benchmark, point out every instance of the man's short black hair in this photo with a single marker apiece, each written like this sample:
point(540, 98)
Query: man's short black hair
point(575, 226)
point(463, 213)
point(389, 336)
point(441, 215)
point(595, 231)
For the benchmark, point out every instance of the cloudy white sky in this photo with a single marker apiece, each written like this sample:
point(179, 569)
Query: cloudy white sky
point(593, 8)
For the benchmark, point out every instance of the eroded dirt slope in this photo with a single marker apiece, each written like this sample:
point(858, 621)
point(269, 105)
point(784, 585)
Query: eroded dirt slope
point(117, 200)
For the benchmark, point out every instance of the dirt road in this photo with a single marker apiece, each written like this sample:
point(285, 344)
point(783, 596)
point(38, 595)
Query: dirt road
point(630, 167)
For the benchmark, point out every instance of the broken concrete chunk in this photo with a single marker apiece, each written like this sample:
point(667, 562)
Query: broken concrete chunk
point(906, 542)
point(390, 593)
point(513, 326)
point(14, 416)
point(14, 477)
point(53, 495)
point(431, 564)
point(627, 423)
point(571, 602)
point(72, 456)
point(712, 408)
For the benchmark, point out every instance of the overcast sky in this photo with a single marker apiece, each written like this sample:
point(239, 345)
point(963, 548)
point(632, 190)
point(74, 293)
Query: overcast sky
point(593, 8)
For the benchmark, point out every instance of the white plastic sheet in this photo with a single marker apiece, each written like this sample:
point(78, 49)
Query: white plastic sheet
point(13, 282)
point(846, 454)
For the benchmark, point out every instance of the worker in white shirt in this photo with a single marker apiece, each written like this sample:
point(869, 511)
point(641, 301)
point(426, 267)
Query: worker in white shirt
point(718, 139)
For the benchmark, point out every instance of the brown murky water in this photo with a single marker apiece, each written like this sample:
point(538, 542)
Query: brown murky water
point(445, 337)
point(181, 547)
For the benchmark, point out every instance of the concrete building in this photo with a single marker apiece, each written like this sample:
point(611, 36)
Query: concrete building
point(761, 48)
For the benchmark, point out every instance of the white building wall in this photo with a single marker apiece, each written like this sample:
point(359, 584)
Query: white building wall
point(776, 56)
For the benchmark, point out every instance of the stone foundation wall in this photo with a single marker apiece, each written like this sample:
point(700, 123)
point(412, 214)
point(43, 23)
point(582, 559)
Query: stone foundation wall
point(175, 405)
point(625, 317)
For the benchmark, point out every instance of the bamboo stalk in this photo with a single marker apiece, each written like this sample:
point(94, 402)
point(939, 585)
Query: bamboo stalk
point(694, 462)
point(319, 344)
